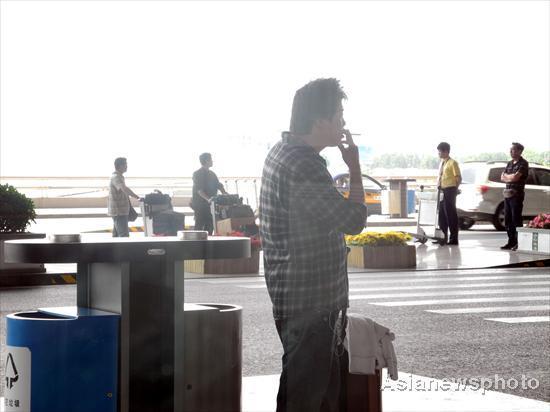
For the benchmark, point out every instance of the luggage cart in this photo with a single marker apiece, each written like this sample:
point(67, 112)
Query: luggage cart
point(159, 218)
point(218, 205)
point(427, 226)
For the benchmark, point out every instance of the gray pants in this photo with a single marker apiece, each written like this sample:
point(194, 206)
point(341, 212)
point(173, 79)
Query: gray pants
point(120, 226)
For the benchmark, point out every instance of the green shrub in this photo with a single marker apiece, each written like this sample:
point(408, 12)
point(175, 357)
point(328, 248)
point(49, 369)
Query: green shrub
point(16, 210)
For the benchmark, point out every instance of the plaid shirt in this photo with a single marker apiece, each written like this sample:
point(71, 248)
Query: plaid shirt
point(303, 219)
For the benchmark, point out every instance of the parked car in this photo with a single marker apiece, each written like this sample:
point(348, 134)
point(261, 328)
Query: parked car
point(372, 187)
point(481, 198)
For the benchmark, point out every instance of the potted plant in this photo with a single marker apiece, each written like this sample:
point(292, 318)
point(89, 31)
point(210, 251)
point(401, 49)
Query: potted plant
point(377, 250)
point(535, 238)
point(16, 213)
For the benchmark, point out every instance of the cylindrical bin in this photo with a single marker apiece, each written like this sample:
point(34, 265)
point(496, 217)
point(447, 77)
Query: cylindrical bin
point(62, 359)
point(411, 201)
point(212, 357)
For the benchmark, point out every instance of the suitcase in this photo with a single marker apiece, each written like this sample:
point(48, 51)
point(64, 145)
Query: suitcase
point(364, 392)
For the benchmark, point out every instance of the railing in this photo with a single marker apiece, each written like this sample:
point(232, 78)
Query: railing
point(53, 194)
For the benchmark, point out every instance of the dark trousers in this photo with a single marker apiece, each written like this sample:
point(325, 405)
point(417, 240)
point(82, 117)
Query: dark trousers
point(313, 363)
point(513, 209)
point(120, 226)
point(448, 217)
point(203, 220)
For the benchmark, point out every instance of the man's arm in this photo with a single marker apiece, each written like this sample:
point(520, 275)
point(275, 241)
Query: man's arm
point(130, 192)
point(511, 177)
point(204, 195)
point(199, 181)
point(312, 193)
point(221, 188)
point(350, 155)
point(457, 174)
point(121, 185)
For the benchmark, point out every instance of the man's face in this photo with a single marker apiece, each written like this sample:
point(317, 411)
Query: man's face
point(331, 131)
point(515, 153)
point(123, 168)
point(442, 154)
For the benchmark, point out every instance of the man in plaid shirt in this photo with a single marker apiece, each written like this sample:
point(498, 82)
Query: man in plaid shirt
point(303, 219)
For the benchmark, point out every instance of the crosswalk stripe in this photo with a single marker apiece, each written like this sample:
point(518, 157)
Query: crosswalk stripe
point(465, 300)
point(430, 280)
point(426, 278)
point(467, 285)
point(367, 277)
point(493, 309)
point(445, 272)
point(448, 293)
point(526, 319)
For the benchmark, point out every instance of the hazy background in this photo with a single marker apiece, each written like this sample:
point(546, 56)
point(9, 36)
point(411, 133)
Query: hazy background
point(83, 82)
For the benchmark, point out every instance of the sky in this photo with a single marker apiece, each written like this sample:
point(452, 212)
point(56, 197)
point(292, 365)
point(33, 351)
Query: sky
point(159, 82)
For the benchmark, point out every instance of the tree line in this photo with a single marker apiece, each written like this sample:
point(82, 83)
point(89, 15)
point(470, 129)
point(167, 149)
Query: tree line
point(411, 160)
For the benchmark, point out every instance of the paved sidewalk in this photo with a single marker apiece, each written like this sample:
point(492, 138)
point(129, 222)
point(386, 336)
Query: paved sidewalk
point(411, 393)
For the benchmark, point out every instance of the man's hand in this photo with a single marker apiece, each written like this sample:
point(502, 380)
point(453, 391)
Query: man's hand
point(350, 152)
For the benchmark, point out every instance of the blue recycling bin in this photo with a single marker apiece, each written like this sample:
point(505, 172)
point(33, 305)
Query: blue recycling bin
point(411, 202)
point(62, 359)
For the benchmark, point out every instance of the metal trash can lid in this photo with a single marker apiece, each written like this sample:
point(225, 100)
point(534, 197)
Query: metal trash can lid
point(192, 234)
point(65, 238)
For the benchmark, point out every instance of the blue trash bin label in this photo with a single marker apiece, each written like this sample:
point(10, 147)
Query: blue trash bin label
point(17, 379)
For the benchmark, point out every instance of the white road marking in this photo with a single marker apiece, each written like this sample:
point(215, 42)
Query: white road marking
point(429, 280)
point(466, 300)
point(526, 319)
point(490, 309)
point(460, 286)
point(449, 293)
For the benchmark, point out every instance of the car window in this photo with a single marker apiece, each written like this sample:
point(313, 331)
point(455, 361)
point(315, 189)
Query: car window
point(543, 177)
point(531, 179)
point(342, 182)
point(495, 173)
point(369, 184)
point(469, 174)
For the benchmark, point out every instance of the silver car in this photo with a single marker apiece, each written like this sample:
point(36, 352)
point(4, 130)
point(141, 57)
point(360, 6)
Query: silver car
point(481, 198)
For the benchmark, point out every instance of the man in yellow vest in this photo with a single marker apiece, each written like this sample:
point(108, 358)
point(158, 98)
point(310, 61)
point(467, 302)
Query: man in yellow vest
point(448, 181)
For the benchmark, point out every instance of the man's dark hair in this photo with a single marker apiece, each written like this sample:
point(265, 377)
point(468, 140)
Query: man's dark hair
point(444, 147)
point(518, 146)
point(319, 99)
point(204, 157)
point(119, 161)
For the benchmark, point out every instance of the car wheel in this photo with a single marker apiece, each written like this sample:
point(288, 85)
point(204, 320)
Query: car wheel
point(465, 223)
point(498, 218)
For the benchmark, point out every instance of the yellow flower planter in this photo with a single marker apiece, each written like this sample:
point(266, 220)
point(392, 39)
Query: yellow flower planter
point(382, 257)
point(381, 251)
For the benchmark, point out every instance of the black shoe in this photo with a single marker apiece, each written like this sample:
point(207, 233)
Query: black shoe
point(514, 247)
point(506, 246)
point(453, 242)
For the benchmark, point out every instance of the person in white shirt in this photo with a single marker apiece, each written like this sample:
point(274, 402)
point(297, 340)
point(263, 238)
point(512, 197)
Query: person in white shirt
point(119, 201)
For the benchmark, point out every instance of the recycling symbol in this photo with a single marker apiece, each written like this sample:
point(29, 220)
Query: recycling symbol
point(12, 375)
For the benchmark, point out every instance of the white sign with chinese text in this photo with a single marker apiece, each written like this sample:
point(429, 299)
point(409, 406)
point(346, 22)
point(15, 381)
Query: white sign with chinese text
point(17, 379)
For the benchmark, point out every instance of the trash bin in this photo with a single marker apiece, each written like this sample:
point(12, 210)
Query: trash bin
point(411, 202)
point(390, 202)
point(62, 359)
point(212, 357)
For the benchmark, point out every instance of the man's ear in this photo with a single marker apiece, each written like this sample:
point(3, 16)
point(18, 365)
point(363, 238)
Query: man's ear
point(319, 124)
